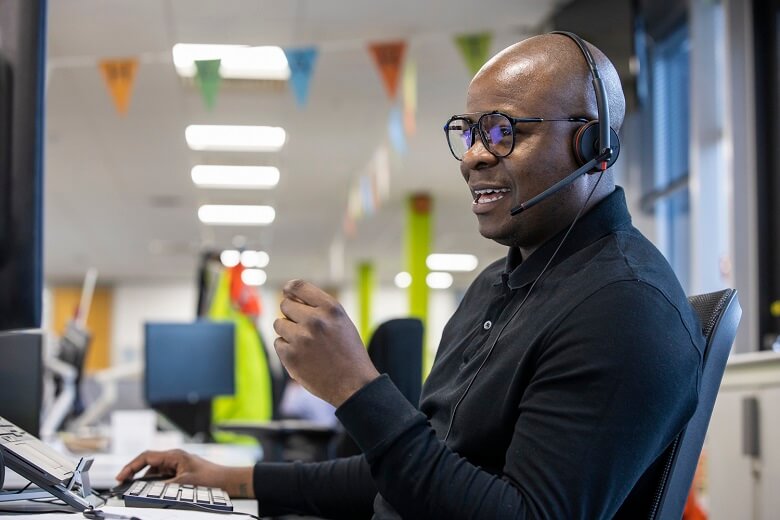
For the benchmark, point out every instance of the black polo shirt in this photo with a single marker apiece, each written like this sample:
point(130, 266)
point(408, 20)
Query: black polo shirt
point(567, 394)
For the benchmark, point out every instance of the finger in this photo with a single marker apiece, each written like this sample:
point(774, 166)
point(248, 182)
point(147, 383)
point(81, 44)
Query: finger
point(306, 292)
point(185, 478)
point(286, 329)
point(282, 347)
point(294, 310)
point(147, 458)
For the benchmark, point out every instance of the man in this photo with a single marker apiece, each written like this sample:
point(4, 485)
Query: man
point(566, 371)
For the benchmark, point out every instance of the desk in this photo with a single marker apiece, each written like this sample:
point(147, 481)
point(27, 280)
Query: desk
point(275, 437)
point(107, 465)
point(115, 506)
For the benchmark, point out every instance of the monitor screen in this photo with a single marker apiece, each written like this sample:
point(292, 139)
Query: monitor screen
point(21, 379)
point(22, 62)
point(188, 362)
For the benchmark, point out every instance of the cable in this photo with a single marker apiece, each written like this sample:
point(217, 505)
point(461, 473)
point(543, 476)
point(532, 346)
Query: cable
point(512, 317)
point(210, 510)
point(23, 489)
point(101, 497)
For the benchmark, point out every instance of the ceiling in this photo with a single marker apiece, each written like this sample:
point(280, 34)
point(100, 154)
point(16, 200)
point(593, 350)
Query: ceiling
point(118, 191)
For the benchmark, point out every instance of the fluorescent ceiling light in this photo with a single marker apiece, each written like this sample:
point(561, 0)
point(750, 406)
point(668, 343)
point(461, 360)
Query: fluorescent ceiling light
point(236, 215)
point(254, 258)
point(229, 257)
point(236, 138)
point(439, 280)
point(253, 276)
point(246, 177)
point(403, 280)
point(237, 61)
point(440, 262)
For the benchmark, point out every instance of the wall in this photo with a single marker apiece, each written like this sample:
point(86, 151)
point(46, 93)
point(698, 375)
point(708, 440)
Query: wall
point(135, 304)
point(64, 302)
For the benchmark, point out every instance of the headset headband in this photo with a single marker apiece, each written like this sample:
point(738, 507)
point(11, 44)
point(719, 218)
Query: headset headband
point(601, 93)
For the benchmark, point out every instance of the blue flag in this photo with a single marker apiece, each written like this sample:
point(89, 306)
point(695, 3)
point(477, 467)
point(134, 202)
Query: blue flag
point(395, 128)
point(301, 63)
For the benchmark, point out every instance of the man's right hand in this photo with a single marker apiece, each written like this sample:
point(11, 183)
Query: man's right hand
point(184, 468)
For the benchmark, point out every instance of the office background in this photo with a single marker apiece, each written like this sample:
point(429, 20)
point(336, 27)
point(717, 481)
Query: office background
point(699, 157)
point(119, 195)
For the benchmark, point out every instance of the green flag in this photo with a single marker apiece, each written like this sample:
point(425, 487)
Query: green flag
point(475, 49)
point(208, 79)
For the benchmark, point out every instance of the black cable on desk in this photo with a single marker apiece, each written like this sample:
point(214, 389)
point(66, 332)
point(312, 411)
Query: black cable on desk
point(210, 510)
point(28, 512)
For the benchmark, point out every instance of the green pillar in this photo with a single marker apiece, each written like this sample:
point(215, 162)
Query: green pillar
point(366, 284)
point(417, 248)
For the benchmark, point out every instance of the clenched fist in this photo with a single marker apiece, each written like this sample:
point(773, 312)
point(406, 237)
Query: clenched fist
point(319, 345)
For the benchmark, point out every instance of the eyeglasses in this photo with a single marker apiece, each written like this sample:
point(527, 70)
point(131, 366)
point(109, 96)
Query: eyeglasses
point(496, 129)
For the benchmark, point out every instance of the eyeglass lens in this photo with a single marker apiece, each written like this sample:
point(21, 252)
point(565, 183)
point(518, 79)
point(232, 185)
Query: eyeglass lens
point(496, 130)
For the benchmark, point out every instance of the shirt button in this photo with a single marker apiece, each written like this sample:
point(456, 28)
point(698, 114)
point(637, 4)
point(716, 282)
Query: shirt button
point(487, 325)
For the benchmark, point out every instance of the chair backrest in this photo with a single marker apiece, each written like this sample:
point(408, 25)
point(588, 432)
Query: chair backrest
point(395, 348)
point(719, 314)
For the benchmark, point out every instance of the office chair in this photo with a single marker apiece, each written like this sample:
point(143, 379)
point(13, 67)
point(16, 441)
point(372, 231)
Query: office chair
point(719, 314)
point(395, 349)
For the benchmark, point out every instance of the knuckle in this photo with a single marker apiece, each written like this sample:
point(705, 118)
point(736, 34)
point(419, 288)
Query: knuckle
point(318, 325)
point(334, 310)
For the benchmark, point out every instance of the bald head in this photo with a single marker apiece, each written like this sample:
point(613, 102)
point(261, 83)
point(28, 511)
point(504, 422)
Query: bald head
point(553, 66)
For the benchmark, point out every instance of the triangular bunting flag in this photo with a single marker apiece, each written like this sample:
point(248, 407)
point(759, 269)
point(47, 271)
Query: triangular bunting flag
point(475, 49)
point(410, 96)
point(120, 76)
point(395, 128)
point(301, 63)
point(388, 57)
point(208, 79)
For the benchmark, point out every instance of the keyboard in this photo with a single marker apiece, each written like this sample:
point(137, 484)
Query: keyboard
point(176, 496)
point(27, 451)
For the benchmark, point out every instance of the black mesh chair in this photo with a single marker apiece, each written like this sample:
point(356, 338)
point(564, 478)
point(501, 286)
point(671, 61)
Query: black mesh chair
point(395, 348)
point(719, 314)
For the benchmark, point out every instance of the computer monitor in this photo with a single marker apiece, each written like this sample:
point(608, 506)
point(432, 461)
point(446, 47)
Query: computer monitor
point(187, 364)
point(22, 65)
point(21, 379)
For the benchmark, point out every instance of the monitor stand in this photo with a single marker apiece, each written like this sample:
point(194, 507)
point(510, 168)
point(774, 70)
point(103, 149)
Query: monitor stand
point(194, 419)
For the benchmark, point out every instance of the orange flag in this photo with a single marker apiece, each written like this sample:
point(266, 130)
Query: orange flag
point(120, 75)
point(388, 57)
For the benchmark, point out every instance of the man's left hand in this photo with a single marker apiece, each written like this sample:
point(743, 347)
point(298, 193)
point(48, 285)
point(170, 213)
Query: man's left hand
point(319, 345)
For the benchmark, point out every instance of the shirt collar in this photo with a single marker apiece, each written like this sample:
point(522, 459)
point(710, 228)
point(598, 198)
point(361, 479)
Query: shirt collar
point(606, 217)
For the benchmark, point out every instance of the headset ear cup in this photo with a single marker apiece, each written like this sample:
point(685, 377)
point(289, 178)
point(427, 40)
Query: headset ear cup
point(586, 144)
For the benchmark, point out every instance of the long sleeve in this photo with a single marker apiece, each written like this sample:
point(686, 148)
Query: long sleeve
point(341, 488)
point(611, 385)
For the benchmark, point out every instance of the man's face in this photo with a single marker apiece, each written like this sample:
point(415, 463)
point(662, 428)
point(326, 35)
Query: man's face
point(542, 155)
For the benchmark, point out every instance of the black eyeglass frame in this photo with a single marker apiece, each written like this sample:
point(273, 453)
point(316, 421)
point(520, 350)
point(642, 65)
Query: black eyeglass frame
point(513, 120)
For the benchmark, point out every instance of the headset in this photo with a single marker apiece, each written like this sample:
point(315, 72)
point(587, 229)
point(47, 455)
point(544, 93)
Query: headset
point(596, 144)
point(596, 147)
